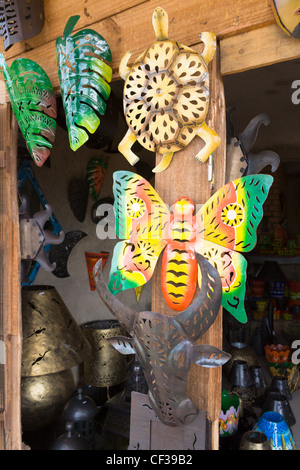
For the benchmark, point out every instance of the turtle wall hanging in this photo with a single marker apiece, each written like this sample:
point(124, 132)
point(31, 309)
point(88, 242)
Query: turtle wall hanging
point(287, 15)
point(220, 230)
point(84, 79)
point(166, 96)
point(33, 103)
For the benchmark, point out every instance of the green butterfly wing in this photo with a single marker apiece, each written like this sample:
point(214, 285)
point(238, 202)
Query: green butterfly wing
point(34, 105)
point(84, 78)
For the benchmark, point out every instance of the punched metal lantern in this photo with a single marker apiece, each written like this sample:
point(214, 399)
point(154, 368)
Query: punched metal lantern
point(20, 20)
point(53, 343)
point(106, 367)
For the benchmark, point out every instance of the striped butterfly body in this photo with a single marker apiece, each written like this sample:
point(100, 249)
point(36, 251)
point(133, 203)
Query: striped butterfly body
point(179, 265)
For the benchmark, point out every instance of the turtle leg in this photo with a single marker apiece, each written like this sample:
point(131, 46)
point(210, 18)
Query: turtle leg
point(210, 45)
point(125, 147)
point(164, 163)
point(211, 139)
point(123, 67)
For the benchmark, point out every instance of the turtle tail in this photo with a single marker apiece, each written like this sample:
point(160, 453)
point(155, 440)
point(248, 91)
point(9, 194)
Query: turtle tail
point(164, 163)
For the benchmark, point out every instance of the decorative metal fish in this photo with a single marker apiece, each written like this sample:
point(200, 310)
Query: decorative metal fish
point(166, 346)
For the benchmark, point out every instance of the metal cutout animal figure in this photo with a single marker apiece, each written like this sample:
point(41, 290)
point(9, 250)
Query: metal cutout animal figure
point(34, 105)
point(166, 96)
point(165, 346)
point(34, 238)
point(84, 77)
point(287, 14)
point(222, 228)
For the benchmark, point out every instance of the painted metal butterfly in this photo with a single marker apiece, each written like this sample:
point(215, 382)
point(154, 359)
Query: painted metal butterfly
point(222, 228)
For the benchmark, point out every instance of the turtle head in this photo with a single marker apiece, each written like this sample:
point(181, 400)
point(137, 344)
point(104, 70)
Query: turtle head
point(160, 23)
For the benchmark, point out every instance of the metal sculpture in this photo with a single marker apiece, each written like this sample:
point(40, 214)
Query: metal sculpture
point(224, 226)
point(95, 174)
point(25, 174)
point(33, 103)
point(166, 96)
point(60, 254)
point(34, 238)
point(287, 16)
point(84, 78)
point(20, 20)
point(240, 159)
point(165, 346)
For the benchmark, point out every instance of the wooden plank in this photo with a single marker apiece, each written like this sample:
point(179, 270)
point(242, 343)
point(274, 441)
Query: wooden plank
point(10, 282)
point(186, 177)
point(261, 47)
point(214, 15)
point(131, 29)
point(57, 13)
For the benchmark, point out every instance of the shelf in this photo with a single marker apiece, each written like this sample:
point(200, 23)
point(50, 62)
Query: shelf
point(259, 259)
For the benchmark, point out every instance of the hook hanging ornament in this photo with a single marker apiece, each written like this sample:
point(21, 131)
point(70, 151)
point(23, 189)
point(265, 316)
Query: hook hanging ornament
point(34, 105)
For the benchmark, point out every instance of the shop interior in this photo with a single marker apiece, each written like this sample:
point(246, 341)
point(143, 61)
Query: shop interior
point(274, 316)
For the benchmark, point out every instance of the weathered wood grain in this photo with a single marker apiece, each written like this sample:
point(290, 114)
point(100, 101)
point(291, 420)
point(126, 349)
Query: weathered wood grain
point(10, 283)
point(258, 48)
point(129, 26)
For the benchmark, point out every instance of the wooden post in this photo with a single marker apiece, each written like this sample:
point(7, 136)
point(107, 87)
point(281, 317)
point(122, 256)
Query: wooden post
point(186, 177)
point(10, 286)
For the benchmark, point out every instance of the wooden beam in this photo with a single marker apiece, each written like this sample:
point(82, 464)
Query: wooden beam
point(258, 48)
point(129, 27)
point(10, 284)
point(186, 177)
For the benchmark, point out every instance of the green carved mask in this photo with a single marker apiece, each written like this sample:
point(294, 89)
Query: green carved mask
point(33, 103)
point(84, 78)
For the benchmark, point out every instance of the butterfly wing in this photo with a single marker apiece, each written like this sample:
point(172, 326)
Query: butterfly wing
point(231, 267)
point(231, 216)
point(133, 264)
point(226, 225)
point(141, 222)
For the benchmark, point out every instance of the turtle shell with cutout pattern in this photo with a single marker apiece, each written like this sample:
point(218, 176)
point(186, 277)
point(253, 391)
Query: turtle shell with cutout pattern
point(166, 96)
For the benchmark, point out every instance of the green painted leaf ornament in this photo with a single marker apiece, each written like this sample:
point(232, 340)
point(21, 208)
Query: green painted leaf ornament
point(34, 105)
point(84, 78)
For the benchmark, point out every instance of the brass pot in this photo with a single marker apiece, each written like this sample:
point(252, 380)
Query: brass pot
point(43, 398)
point(107, 367)
point(254, 440)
